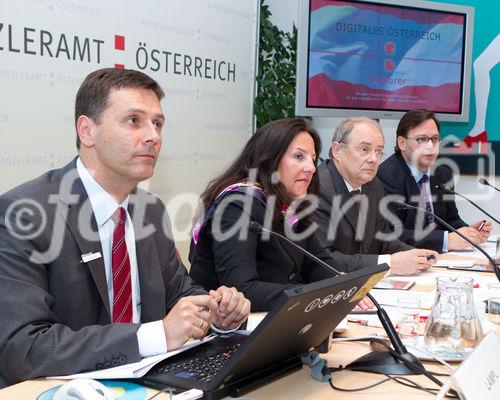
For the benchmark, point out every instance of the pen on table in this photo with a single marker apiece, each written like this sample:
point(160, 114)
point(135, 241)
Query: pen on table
point(376, 324)
point(481, 226)
point(364, 322)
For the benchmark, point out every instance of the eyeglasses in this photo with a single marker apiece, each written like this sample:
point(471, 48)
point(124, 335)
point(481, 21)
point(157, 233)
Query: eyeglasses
point(365, 151)
point(424, 139)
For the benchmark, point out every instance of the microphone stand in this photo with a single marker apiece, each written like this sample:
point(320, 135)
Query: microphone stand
point(451, 191)
point(448, 226)
point(375, 361)
point(483, 181)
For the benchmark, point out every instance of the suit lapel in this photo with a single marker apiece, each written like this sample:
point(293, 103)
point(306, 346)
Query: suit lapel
point(149, 280)
point(340, 188)
point(150, 276)
point(371, 217)
point(411, 187)
point(436, 194)
point(80, 221)
point(350, 215)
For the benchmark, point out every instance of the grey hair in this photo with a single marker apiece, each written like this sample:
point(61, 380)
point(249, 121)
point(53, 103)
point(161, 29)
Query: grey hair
point(344, 129)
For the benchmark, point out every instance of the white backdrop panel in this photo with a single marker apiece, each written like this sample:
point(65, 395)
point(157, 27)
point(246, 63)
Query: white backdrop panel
point(201, 52)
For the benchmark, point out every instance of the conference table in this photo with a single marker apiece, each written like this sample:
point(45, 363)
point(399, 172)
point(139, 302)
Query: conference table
point(300, 384)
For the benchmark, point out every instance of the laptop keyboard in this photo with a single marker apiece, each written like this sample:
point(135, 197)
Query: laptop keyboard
point(203, 368)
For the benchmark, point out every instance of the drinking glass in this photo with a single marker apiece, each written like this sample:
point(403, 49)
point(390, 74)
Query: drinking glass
point(494, 302)
point(408, 319)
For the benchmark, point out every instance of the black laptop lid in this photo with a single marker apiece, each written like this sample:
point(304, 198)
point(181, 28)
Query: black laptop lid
point(301, 319)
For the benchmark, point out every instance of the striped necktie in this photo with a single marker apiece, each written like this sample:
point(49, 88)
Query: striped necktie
point(425, 200)
point(122, 285)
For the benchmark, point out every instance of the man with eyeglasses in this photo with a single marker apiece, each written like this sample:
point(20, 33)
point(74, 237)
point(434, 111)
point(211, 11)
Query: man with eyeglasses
point(349, 215)
point(409, 173)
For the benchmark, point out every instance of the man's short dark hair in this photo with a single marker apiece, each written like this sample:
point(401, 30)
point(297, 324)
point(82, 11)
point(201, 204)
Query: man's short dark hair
point(93, 95)
point(412, 119)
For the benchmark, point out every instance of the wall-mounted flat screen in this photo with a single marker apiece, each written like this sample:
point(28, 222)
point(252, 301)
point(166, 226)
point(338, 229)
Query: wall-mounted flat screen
point(382, 58)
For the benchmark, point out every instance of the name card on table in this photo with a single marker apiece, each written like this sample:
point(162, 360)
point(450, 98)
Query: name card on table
point(479, 376)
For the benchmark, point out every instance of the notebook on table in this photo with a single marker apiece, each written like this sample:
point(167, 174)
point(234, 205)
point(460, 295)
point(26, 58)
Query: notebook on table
point(233, 364)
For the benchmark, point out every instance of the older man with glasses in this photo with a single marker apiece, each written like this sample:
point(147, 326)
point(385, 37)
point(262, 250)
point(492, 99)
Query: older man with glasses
point(350, 215)
point(411, 173)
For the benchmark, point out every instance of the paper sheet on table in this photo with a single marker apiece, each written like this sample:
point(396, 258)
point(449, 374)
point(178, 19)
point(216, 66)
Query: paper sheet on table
point(488, 246)
point(493, 238)
point(132, 370)
point(449, 262)
point(390, 297)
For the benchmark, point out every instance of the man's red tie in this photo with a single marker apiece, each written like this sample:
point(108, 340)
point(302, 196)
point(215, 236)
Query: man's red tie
point(122, 285)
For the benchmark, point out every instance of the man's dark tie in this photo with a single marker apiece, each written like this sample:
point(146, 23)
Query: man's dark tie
point(354, 195)
point(424, 199)
point(122, 285)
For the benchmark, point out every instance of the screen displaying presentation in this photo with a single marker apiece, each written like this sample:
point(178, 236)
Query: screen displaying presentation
point(376, 56)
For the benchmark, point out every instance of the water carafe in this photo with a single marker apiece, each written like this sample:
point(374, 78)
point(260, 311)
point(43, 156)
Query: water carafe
point(453, 328)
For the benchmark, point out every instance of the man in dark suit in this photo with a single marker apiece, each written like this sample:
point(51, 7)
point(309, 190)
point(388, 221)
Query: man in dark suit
point(349, 216)
point(409, 173)
point(88, 269)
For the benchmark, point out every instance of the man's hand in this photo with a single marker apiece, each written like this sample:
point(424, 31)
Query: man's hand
point(233, 308)
point(412, 262)
point(455, 242)
point(364, 305)
point(189, 318)
point(485, 230)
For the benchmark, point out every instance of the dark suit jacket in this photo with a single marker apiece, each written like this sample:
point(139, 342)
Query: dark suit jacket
point(261, 268)
point(333, 194)
point(398, 180)
point(54, 309)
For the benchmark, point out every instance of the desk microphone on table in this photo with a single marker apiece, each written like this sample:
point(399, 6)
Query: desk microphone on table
point(483, 181)
point(378, 362)
point(403, 206)
point(448, 190)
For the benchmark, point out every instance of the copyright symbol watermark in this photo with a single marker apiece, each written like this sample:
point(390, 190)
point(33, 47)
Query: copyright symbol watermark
point(22, 218)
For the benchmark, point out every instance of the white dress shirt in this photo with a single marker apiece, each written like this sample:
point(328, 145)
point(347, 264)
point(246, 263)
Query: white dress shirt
point(151, 335)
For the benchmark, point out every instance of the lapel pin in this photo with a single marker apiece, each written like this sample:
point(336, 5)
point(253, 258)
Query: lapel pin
point(90, 257)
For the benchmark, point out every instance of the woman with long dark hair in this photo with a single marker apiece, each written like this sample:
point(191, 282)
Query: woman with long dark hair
point(273, 182)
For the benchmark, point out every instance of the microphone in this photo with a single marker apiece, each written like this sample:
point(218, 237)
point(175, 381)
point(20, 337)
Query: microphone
point(258, 228)
point(403, 205)
point(446, 189)
point(483, 181)
point(378, 362)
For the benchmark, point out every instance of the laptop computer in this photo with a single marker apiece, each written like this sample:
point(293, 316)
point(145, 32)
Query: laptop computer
point(233, 364)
